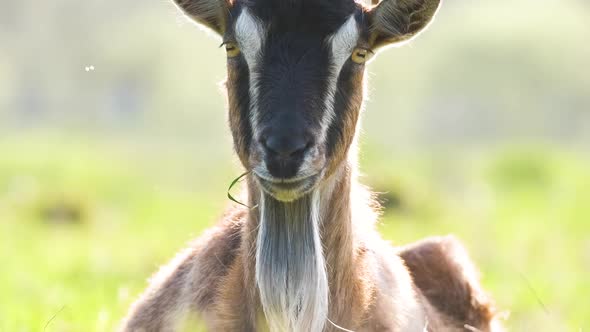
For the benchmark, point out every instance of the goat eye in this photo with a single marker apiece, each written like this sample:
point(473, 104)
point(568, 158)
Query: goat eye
point(360, 55)
point(232, 50)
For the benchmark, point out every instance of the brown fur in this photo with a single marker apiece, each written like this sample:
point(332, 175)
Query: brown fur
point(352, 109)
point(367, 278)
point(444, 274)
point(236, 105)
point(180, 283)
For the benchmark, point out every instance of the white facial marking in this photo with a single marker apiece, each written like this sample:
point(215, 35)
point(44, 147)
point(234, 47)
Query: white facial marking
point(342, 43)
point(250, 35)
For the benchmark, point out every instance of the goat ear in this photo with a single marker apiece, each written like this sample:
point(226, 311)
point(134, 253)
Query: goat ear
point(212, 14)
point(394, 21)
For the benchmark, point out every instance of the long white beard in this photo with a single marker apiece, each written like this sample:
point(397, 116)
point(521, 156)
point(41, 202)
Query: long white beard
point(290, 268)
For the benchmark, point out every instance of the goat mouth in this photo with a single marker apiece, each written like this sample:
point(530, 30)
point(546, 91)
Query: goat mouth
point(288, 190)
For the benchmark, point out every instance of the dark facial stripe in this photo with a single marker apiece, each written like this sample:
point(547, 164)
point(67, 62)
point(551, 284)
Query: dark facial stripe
point(292, 81)
point(321, 17)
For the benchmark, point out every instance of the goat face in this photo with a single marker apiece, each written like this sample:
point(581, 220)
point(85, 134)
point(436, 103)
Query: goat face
point(295, 78)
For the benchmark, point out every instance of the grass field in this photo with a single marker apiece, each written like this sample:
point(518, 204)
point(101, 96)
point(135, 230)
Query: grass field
point(88, 213)
point(84, 222)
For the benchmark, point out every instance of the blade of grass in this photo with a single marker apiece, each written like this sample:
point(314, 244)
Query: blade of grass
point(229, 195)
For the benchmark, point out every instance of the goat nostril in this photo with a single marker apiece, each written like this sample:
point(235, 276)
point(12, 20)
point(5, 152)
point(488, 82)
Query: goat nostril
point(286, 146)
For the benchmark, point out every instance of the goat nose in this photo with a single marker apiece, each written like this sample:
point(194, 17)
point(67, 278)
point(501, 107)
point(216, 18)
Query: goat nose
point(284, 146)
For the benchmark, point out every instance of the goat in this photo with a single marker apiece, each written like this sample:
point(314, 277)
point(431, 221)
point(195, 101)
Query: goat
point(305, 256)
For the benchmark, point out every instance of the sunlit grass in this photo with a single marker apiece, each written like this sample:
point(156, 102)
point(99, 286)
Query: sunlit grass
point(523, 214)
point(84, 223)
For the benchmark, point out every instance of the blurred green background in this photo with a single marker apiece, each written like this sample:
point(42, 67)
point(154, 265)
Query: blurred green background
point(114, 152)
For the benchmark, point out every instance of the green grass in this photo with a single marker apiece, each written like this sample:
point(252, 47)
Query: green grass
point(84, 222)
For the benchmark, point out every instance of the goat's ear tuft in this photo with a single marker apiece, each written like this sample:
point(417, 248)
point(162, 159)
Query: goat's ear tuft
point(394, 21)
point(212, 14)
